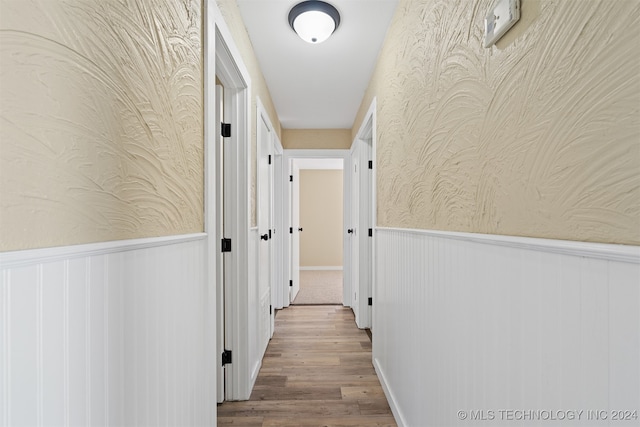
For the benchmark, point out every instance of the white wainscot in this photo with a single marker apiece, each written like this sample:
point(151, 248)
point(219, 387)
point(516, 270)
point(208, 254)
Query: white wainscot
point(466, 326)
point(107, 334)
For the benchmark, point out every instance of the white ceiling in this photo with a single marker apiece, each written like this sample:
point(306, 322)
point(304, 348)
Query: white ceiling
point(317, 86)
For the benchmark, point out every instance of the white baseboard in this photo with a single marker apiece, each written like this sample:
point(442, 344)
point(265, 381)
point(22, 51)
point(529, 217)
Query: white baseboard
point(389, 395)
point(322, 268)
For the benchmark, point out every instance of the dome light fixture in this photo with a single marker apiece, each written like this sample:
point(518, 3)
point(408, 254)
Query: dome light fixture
point(314, 21)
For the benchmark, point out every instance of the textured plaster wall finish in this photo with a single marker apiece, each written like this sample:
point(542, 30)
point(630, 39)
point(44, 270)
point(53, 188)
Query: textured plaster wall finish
point(101, 131)
point(316, 139)
point(321, 218)
point(537, 136)
point(233, 19)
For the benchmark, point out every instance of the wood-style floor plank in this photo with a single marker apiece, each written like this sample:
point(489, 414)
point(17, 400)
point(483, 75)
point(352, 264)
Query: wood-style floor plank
point(317, 371)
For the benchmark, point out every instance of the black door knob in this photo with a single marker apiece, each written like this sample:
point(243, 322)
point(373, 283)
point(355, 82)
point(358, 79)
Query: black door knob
point(265, 236)
point(300, 229)
point(350, 231)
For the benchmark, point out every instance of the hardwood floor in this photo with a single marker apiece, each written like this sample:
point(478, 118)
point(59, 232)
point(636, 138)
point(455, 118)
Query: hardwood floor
point(317, 371)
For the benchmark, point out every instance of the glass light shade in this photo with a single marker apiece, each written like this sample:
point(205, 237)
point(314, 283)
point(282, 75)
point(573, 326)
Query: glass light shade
point(314, 26)
point(314, 20)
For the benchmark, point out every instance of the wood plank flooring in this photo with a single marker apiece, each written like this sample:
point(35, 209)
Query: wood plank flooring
point(317, 371)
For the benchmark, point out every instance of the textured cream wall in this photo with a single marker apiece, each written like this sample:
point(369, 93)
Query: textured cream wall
point(538, 136)
point(321, 218)
point(101, 133)
point(316, 139)
point(233, 19)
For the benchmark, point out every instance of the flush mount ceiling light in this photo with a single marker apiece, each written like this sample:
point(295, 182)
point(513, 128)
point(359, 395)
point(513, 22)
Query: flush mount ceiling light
point(314, 21)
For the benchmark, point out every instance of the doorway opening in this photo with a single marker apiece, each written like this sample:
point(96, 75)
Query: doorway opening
point(320, 203)
point(305, 170)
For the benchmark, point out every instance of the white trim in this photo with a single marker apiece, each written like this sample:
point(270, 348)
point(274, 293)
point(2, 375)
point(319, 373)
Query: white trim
point(281, 294)
point(316, 154)
point(102, 319)
point(388, 394)
point(321, 164)
point(35, 256)
point(604, 251)
point(364, 132)
point(210, 213)
point(322, 268)
point(503, 298)
point(234, 75)
point(225, 34)
point(365, 144)
point(298, 154)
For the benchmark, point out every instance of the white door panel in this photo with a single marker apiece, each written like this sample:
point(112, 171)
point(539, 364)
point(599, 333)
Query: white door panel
point(355, 235)
point(295, 221)
point(265, 232)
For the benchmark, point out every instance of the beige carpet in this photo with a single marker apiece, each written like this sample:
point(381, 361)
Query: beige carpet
point(319, 287)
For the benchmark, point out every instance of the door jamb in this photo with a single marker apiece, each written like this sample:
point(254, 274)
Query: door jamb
point(368, 130)
point(234, 76)
point(279, 224)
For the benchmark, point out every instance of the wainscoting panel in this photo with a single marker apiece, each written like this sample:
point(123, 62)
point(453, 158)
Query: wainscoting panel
point(483, 324)
point(106, 334)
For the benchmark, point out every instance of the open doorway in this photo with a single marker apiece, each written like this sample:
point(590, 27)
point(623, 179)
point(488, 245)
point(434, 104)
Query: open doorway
point(320, 202)
point(312, 169)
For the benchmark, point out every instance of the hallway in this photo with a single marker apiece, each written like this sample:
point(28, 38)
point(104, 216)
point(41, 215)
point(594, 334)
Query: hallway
point(317, 371)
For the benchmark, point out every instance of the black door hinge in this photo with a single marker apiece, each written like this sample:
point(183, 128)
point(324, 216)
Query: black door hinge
point(371, 232)
point(225, 130)
point(270, 309)
point(269, 158)
point(226, 357)
point(290, 230)
point(290, 178)
point(370, 164)
point(226, 245)
point(370, 301)
point(291, 283)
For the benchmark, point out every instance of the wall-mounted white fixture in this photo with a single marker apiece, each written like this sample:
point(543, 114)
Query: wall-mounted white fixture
point(314, 21)
point(499, 19)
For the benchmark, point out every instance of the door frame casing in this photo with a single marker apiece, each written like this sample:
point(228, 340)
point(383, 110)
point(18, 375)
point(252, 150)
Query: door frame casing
point(291, 154)
point(210, 171)
point(367, 132)
point(227, 65)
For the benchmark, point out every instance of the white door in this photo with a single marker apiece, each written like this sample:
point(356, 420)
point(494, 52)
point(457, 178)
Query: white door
point(355, 232)
point(296, 230)
point(265, 231)
point(274, 259)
